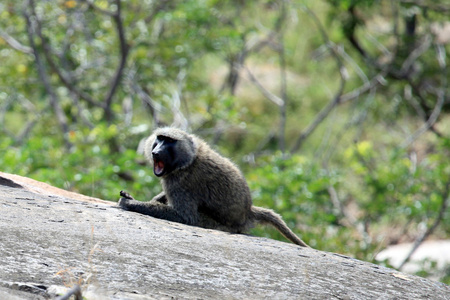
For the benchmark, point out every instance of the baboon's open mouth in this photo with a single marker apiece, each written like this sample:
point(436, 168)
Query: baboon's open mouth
point(158, 167)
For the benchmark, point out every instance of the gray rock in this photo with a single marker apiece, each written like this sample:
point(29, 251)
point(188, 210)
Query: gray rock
point(53, 239)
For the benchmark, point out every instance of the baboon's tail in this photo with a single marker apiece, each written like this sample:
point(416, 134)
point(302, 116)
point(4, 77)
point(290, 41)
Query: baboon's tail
point(268, 216)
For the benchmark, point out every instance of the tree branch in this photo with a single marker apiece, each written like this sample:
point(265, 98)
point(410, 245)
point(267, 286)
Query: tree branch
point(431, 5)
point(430, 230)
point(439, 103)
point(283, 80)
point(367, 86)
point(100, 10)
point(319, 118)
point(272, 97)
point(64, 79)
point(13, 43)
point(154, 107)
point(123, 58)
point(54, 101)
point(337, 97)
point(159, 6)
point(414, 55)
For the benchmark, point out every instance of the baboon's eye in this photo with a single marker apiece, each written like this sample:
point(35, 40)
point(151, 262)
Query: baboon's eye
point(166, 139)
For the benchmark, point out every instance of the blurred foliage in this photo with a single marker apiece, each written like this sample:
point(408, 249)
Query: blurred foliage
point(297, 189)
point(83, 82)
point(90, 167)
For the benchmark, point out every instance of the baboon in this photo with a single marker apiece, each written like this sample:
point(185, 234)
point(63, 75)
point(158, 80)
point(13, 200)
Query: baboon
point(200, 187)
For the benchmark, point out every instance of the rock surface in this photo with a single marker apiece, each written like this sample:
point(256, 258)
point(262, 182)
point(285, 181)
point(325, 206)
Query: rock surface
point(53, 239)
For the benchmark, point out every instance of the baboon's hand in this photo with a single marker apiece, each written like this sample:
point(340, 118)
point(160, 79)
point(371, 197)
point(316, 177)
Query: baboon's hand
point(126, 195)
point(123, 201)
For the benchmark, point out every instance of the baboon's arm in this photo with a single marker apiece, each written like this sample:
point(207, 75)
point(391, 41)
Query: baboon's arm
point(161, 198)
point(155, 208)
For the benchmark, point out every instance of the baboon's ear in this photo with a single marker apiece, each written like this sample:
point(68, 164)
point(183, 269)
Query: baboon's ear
point(148, 148)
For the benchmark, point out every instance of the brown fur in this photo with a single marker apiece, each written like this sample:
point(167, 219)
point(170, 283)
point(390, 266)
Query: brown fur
point(203, 189)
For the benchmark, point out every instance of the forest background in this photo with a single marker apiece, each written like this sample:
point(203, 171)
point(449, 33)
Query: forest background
point(336, 111)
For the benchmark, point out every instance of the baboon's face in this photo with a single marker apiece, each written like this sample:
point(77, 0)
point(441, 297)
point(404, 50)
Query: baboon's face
point(164, 155)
